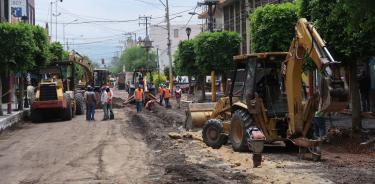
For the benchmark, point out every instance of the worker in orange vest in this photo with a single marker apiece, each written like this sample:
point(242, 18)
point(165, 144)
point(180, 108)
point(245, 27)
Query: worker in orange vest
point(161, 91)
point(167, 96)
point(139, 96)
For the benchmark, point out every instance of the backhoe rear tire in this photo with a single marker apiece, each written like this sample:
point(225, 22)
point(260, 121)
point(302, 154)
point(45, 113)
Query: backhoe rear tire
point(79, 103)
point(213, 134)
point(240, 122)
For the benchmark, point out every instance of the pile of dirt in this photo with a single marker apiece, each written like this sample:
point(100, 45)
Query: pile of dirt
point(345, 141)
point(169, 115)
point(171, 164)
point(117, 102)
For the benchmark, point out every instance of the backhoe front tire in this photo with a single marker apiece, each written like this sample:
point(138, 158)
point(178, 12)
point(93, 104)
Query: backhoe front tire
point(67, 113)
point(213, 134)
point(240, 122)
point(36, 116)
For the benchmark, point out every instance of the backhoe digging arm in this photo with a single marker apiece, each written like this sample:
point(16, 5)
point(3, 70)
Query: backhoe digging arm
point(333, 92)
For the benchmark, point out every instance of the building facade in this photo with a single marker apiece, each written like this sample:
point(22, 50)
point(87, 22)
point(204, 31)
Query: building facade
point(236, 18)
point(233, 15)
point(159, 35)
point(11, 14)
point(4, 10)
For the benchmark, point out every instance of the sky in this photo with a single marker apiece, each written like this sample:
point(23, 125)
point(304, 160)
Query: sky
point(104, 39)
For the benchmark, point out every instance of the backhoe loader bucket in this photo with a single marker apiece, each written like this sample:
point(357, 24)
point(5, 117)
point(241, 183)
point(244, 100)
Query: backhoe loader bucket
point(334, 95)
point(198, 114)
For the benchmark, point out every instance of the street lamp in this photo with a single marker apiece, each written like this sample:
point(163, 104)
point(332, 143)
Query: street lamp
point(188, 31)
point(64, 25)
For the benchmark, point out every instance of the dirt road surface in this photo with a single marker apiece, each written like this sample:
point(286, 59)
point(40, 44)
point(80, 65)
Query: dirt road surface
point(136, 148)
point(74, 152)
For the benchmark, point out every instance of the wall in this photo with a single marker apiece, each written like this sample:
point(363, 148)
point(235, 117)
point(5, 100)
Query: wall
point(159, 36)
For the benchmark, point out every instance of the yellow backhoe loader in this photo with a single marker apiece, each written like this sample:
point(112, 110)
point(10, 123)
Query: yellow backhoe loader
point(266, 94)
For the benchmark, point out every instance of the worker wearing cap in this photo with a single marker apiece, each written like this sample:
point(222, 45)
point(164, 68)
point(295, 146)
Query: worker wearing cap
point(139, 96)
point(167, 96)
point(109, 102)
point(161, 90)
point(90, 100)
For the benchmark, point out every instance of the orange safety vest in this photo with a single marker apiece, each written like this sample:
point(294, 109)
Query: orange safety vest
point(160, 91)
point(167, 93)
point(139, 94)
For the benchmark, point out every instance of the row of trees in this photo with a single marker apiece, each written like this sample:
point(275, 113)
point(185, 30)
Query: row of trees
point(134, 58)
point(25, 48)
point(205, 53)
point(347, 26)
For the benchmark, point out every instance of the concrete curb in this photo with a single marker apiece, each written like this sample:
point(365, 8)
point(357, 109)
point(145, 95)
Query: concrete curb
point(9, 120)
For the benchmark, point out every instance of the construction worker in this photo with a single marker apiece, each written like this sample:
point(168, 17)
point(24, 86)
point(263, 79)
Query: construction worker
point(109, 102)
point(104, 101)
point(167, 96)
point(90, 100)
point(161, 90)
point(139, 96)
point(178, 94)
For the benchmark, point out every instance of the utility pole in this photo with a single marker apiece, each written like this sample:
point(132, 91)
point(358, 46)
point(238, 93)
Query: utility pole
point(56, 20)
point(146, 18)
point(211, 11)
point(166, 5)
point(51, 21)
point(157, 55)
point(147, 42)
point(169, 47)
point(56, 15)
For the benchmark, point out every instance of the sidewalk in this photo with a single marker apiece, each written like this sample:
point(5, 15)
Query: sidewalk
point(9, 119)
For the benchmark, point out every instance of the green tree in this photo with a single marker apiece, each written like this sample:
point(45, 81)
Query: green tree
point(17, 50)
point(57, 51)
point(184, 60)
point(166, 71)
point(135, 58)
point(348, 27)
point(41, 52)
point(158, 78)
point(272, 27)
point(214, 52)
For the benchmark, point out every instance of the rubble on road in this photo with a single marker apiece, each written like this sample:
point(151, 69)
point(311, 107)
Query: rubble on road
point(174, 135)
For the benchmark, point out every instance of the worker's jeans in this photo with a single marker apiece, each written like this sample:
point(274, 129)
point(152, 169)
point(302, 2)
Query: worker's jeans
point(105, 111)
point(167, 104)
point(139, 105)
point(90, 112)
point(161, 100)
point(109, 109)
point(319, 127)
point(178, 101)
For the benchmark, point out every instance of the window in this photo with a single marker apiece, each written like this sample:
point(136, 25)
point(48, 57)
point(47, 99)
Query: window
point(175, 33)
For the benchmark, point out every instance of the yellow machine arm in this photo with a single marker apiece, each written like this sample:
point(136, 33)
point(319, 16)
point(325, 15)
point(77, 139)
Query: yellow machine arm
point(333, 92)
point(76, 58)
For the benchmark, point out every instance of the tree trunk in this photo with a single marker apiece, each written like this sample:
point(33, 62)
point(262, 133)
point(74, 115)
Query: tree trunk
point(203, 84)
point(354, 91)
point(189, 78)
point(21, 92)
point(224, 79)
point(1, 97)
